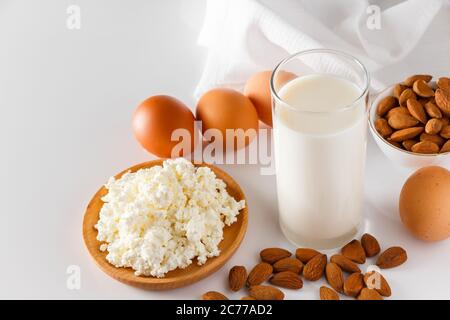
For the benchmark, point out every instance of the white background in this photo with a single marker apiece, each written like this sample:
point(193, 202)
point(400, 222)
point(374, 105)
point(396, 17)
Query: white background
point(66, 100)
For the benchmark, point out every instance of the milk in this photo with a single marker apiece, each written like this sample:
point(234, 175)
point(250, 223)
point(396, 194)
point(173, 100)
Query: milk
point(320, 158)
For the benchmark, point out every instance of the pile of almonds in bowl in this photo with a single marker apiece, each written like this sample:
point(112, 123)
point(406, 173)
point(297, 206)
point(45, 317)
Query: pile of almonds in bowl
point(281, 269)
point(417, 117)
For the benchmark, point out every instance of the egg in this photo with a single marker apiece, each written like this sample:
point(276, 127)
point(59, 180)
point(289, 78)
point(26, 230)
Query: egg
point(154, 121)
point(425, 203)
point(224, 109)
point(257, 89)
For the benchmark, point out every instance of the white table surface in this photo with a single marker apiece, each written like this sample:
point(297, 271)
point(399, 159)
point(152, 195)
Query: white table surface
point(66, 99)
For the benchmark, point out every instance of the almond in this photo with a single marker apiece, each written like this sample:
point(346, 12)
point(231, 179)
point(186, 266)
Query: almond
point(398, 89)
point(374, 280)
point(353, 284)
point(328, 294)
point(425, 147)
point(315, 267)
point(433, 110)
point(395, 144)
point(370, 245)
point(445, 147)
point(383, 128)
point(369, 294)
point(402, 121)
point(443, 101)
point(345, 263)
point(287, 279)
point(213, 295)
point(272, 255)
point(410, 80)
point(433, 126)
point(247, 298)
point(305, 254)
point(445, 132)
point(237, 278)
point(444, 84)
point(402, 110)
point(407, 144)
point(392, 257)
point(288, 264)
point(417, 110)
point(385, 105)
point(422, 89)
point(445, 121)
point(432, 138)
point(406, 134)
point(406, 94)
point(261, 292)
point(335, 276)
point(354, 251)
point(260, 273)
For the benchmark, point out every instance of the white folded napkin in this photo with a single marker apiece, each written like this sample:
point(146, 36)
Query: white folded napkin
point(247, 36)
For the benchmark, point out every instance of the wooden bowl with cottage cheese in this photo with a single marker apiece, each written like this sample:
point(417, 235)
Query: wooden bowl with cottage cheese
point(232, 238)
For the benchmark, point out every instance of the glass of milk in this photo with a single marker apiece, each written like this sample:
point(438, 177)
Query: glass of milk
point(319, 114)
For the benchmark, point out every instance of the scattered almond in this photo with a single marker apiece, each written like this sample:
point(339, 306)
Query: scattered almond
point(213, 295)
point(345, 263)
point(416, 109)
point(369, 294)
point(328, 294)
point(385, 105)
point(443, 101)
point(335, 276)
point(370, 245)
point(433, 126)
point(272, 255)
point(433, 110)
point(374, 280)
point(425, 147)
point(354, 251)
point(287, 279)
point(406, 134)
point(422, 89)
point(237, 278)
point(247, 298)
point(306, 254)
point(262, 292)
point(288, 264)
point(260, 273)
point(392, 257)
point(410, 80)
point(315, 267)
point(353, 284)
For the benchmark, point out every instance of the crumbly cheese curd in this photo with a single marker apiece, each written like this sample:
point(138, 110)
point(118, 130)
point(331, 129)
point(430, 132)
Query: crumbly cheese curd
point(160, 218)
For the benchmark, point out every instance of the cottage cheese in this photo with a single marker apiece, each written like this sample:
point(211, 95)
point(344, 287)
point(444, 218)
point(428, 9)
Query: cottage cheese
point(161, 218)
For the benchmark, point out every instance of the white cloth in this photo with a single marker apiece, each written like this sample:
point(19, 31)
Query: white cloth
point(247, 36)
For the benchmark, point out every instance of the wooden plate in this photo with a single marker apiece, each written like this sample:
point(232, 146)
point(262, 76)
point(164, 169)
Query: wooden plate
point(232, 238)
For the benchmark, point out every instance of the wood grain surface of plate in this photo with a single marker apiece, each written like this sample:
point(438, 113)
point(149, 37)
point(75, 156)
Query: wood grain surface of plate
point(232, 238)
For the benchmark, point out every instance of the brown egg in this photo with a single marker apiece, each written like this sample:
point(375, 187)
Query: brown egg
point(425, 203)
point(154, 121)
point(224, 109)
point(257, 89)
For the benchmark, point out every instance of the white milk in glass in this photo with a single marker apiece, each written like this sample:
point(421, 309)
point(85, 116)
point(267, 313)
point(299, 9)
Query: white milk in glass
point(320, 150)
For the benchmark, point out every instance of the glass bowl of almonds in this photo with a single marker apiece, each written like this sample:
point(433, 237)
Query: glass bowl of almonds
point(410, 121)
